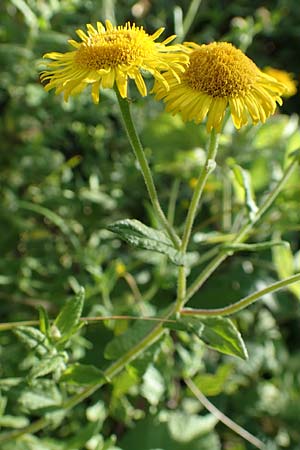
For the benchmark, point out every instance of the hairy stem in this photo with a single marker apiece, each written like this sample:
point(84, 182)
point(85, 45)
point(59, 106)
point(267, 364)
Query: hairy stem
point(140, 156)
point(206, 170)
point(244, 302)
point(172, 201)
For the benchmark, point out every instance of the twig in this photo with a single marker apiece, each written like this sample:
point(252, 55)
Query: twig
point(222, 417)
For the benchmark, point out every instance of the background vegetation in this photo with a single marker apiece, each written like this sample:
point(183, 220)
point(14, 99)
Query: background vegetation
point(67, 172)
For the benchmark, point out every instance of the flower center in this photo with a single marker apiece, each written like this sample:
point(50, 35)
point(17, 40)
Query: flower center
point(220, 70)
point(111, 48)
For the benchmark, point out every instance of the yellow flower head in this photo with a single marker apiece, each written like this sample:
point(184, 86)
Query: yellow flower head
point(285, 78)
point(219, 75)
point(112, 55)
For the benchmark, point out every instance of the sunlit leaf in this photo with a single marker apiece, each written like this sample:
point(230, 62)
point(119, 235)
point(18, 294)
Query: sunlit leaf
point(185, 427)
point(139, 235)
point(82, 374)
point(33, 338)
point(218, 333)
point(213, 384)
point(68, 318)
point(48, 365)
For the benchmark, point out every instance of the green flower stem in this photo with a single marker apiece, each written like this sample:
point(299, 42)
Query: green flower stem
point(181, 290)
point(208, 167)
point(242, 235)
point(244, 302)
point(172, 201)
point(140, 156)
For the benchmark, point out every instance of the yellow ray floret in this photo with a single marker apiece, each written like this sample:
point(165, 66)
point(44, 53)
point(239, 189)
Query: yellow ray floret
point(219, 75)
point(109, 56)
point(285, 78)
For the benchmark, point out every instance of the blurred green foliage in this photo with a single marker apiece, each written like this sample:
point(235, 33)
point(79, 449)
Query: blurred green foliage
point(67, 172)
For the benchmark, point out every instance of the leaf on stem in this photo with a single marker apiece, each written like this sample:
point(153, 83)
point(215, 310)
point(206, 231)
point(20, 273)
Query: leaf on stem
point(82, 374)
point(141, 236)
point(67, 322)
point(285, 265)
point(243, 179)
point(218, 333)
point(33, 339)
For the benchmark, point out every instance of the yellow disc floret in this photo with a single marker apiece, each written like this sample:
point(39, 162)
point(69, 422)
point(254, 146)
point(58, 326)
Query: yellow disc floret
point(109, 56)
point(110, 49)
point(220, 70)
point(219, 75)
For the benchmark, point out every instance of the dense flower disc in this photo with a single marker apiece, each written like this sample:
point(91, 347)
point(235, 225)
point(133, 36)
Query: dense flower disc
point(109, 55)
point(219, 75)
point(285, 78)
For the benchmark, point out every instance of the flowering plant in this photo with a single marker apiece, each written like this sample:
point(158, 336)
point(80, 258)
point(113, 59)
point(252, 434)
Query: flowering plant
point(215, 82)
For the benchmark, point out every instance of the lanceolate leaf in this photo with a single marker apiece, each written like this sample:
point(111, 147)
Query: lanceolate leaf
point(218, 333)
point(48, 365)
point(82, 374)
point(68, 318)
point(33, 339)
point(243, 178)
point(139, 235)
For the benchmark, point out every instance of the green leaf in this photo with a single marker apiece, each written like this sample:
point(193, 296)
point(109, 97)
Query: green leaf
point(124, 382)
point(242, 176)
point(126, 341)
point(48, 365)
point(83, 374)
point(33, 338)
point(218, 333)
point(155, 433)
point(284, 262)
point(184, 427)
point(13, 421)
point(44, 321)
point(83, 435)
point(67, 320)
point(141, 236)
point(153, 386)
point(43, 394)
point(213, 384)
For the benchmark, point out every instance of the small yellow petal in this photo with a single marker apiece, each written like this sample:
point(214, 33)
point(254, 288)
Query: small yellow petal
point(139, 81)
point(100, 27)
point(109, 25)
point(82, 35)
point(74, 43)
point(108, 80)
point(121, 81)
point(96, 92)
